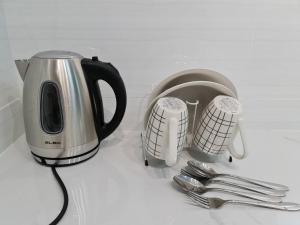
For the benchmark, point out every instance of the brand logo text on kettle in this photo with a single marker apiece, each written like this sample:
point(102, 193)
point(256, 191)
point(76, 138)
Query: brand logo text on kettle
point(52, 142)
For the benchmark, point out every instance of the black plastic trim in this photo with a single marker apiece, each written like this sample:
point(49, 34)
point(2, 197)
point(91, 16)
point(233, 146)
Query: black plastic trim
point(43, 159)
point(95, 70)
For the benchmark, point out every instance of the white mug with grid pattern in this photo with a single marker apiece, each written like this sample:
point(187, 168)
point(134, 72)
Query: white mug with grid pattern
point(166, 129)
point(219, 123)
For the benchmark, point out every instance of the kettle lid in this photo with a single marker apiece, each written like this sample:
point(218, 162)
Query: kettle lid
point(57, 54)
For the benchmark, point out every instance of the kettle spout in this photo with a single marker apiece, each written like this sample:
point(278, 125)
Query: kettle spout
point(22, 65)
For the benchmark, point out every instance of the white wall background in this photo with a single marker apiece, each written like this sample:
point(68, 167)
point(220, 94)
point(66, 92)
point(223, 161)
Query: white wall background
point(11, 122)
point(256, 43)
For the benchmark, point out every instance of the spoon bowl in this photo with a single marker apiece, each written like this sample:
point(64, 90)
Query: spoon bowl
point(202, 168)
point(197, 172)
point(188, 183)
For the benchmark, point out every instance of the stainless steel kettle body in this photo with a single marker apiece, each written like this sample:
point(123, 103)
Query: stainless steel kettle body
point(62, 105)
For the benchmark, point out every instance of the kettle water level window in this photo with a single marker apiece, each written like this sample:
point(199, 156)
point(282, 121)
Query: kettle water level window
point(51, 111)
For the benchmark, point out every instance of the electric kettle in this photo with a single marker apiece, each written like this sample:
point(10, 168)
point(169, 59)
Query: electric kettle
point(62, 105)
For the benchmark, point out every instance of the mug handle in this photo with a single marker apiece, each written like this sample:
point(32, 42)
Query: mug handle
point(232, 149)
point(171, 151)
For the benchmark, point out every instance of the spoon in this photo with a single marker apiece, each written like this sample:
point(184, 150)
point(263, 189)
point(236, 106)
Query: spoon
point(191, 184)
point(210, 173)
point(191, 172)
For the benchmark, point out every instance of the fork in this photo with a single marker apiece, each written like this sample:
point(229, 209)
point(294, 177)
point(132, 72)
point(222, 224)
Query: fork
point(210, 203)
point(188, 171)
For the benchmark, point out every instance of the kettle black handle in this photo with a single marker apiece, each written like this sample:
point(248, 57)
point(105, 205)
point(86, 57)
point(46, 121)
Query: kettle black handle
point(95, 70)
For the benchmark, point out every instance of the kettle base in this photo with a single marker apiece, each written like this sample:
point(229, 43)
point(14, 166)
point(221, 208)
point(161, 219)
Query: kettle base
point(66, 161)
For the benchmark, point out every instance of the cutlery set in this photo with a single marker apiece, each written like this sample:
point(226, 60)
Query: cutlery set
point(196, 177)
point(211, 173)
point(207, 181)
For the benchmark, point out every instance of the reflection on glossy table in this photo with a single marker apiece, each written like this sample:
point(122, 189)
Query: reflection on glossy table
point(115, 187)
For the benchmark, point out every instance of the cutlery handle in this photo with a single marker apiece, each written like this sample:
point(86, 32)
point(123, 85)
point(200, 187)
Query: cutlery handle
point(287, 206)
point(259, 190)
point(265, 184)
point(247, 195)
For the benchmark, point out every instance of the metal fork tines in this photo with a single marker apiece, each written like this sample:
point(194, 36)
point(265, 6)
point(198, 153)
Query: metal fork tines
point(218, 202)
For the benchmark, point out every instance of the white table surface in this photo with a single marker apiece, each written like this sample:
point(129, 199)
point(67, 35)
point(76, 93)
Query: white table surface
point(115, 187)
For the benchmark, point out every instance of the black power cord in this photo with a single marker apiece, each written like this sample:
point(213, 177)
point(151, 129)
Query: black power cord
point(43, 162)
point(66, 197)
